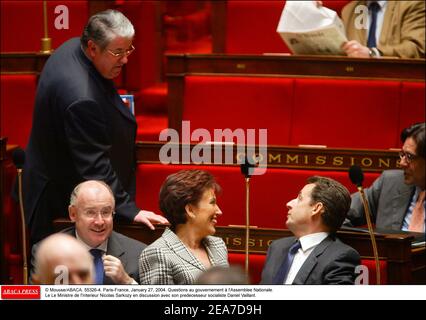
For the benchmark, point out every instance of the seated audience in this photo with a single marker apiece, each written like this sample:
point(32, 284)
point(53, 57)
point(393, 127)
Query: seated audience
point(396, 198)
point(223, 275)
point(115, 256)
point(314, 255)
point(62, 259)
point(187, 248)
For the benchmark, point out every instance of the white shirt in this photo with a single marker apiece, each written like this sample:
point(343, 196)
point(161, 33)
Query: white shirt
point(308, 244)
point(409, 214)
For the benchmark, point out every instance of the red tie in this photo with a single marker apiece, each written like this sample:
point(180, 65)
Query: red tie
point(418, 217)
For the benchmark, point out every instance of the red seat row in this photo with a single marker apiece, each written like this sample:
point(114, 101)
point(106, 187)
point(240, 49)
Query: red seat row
point(333, 112)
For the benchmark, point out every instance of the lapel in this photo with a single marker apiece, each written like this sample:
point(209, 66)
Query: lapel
point(175, 245)
point(107, 86)
point(310, 263)
point(214, 255)
point(387, 19)
point(361, 33)
point(400, 204)
point(281, 256)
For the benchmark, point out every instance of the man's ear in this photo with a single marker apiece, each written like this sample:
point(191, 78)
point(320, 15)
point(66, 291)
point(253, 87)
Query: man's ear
point(91, 48)
point(318, 208)
point(72, 212)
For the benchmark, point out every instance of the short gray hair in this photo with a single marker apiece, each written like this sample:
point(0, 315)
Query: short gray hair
point(102, 27)
point(75, 192)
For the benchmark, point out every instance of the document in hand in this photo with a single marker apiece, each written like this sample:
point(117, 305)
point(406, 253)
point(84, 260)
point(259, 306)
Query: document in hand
point(307, 29)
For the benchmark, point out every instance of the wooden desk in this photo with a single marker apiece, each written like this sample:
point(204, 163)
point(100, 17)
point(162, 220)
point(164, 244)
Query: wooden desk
point(336, 67)
point(404, 264)
point(287, 157)
point(22, 62)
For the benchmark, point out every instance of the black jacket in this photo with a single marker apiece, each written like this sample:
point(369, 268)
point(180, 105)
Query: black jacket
point(81, 130)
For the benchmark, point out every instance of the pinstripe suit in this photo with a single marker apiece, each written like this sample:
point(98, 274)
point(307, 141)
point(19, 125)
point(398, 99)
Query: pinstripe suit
point(169, 261)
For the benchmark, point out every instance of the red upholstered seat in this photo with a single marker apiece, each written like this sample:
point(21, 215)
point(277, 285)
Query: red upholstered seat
point(371, 265)
point(22, 24)
point(238, 102)
point(412, 104)
point(17, 104)
point(150, 126)
point(251, 27)
point(256, 263)
point(346, 113)
point(269, 192)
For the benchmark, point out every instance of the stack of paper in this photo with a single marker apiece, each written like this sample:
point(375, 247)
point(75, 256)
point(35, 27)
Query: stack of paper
point(307, 29)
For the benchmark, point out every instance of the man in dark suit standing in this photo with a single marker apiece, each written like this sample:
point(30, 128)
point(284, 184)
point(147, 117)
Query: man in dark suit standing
point(115, 255)
point(314, 255)
point(81, 129)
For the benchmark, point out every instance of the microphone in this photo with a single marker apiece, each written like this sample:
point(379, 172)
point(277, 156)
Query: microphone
point(247, 171)
point(246, 168)
point(357, 177)
point(18, 158)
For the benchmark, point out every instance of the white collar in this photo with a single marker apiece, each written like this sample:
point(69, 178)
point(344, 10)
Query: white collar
point(312, 240)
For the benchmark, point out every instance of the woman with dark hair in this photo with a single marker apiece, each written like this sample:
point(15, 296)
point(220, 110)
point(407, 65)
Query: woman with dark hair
point(187, 248)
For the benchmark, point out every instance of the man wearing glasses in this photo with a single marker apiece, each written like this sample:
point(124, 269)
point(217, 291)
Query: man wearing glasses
point(115, 256)
point(396, 198)
point(81, 129)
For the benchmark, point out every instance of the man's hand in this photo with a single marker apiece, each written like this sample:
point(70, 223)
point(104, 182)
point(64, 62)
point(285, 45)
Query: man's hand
point(318, 3)
point(114, 270)
point(356, 50)
point(149, 217)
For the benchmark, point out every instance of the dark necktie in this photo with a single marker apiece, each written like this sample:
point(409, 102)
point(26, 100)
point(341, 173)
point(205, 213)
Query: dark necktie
point(99, 265)
point(374, 7)
point(285, 266)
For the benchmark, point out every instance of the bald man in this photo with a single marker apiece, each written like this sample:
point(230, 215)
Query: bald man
point(62, 259)
point(115, 256)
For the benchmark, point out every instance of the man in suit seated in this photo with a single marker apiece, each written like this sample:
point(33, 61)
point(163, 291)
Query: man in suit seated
point(115, 256)
point(394, 28)
point(314, 255)
point(62, 259)
point(384, 28)
point(396, 198)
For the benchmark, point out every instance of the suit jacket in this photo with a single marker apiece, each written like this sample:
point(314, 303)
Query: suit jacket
point(124, 248)
point(331, 262)
point(168, 260)
point(388, 199)
point(403, 31)
point(81, 130)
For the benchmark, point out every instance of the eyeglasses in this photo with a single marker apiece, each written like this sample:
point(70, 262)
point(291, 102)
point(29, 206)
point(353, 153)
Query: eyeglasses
point(105, 213)
point(409, 157)
point(122, 54)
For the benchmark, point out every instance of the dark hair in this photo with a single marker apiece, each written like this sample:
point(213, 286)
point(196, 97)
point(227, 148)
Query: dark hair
point(417, 133)
point(182, 188)
point(335, 198)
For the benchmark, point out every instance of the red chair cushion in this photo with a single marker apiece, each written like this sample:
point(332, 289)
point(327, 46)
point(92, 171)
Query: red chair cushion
point(346, 113)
